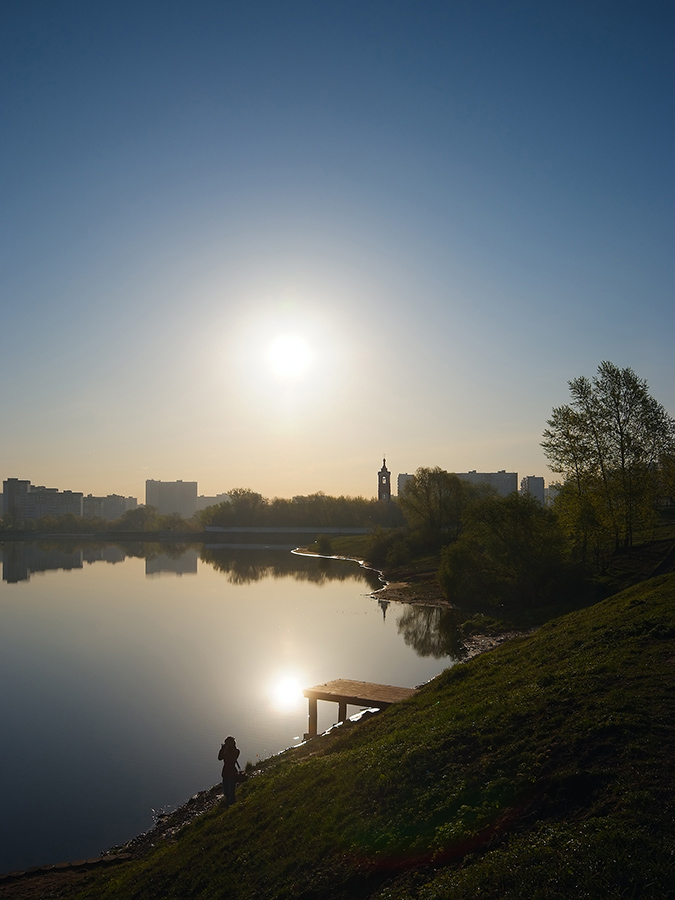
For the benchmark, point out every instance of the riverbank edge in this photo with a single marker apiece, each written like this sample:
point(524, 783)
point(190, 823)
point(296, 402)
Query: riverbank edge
point(167, 824)
point(409, 593)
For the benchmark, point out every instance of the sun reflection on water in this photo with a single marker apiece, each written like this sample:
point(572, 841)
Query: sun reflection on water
point(286, 693)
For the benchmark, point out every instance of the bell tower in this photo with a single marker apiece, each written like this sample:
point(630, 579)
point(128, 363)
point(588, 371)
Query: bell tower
point(384, 482)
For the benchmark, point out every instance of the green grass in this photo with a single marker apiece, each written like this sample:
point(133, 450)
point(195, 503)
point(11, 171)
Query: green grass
point(355, 545)
point(543, 769)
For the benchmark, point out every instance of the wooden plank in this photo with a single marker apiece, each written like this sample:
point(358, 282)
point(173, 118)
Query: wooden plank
point(358, 693)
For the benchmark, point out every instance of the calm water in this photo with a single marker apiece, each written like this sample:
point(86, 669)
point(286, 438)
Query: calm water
point(121, 675)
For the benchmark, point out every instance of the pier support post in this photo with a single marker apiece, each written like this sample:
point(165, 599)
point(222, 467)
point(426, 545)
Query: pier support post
point(312, 723)
point(351, 693)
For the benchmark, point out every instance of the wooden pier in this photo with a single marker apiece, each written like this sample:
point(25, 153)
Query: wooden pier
point(353, 693)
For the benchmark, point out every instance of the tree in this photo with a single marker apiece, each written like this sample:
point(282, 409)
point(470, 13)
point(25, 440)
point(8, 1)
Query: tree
point(433, 502)
point(510, 552)
point(244, 507)
point(142, 518)
point(174, 522)
point(609, 444)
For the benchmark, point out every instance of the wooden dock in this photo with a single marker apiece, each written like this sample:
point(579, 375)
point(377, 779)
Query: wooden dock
point(353, 693)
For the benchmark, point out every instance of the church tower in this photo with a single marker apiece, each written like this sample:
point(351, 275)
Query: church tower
point(384, 482)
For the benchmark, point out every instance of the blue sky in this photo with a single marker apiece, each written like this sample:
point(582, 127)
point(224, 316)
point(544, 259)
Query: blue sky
point(456, 206)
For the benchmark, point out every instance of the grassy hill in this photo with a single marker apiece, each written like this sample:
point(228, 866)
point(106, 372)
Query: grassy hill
point(542, 769)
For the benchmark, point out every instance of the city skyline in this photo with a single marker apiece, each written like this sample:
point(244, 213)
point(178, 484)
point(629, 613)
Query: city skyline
point(180, 496)
point(263, 245)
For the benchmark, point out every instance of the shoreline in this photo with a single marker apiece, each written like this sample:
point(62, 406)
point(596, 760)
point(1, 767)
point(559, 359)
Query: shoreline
point(40, 881)
point(419, 594)
point(167, 824)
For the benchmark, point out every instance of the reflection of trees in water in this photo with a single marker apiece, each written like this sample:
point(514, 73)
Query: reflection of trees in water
point(240, 566)
point(431, 631)
point(245, 566)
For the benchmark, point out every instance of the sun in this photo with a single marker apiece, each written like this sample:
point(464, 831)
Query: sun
point(289, 356)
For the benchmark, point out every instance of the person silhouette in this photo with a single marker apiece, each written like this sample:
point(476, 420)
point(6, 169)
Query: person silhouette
point(229, 754)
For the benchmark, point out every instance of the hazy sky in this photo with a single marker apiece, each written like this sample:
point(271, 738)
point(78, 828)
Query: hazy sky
point(445, 210)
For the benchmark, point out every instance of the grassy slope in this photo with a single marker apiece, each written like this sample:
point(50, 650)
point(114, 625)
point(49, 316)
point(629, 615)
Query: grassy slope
point(543, 769)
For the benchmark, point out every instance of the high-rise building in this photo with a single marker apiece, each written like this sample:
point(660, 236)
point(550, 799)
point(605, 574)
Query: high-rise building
point(22, 500)
point(504, 482)
point(109, 508)
point(172, 497)
point(551, 492)
point(13, 490)
point(401, 482)
point(533, 485)
point(203, 502)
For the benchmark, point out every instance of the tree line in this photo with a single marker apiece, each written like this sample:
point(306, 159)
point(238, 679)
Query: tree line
point(245, 507)
point(614, 447)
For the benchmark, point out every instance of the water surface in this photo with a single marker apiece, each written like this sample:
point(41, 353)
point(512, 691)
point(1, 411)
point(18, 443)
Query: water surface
point(120, 675)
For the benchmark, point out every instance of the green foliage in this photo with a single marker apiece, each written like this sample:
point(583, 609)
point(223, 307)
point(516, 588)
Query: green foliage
point(614, 446)
point(246, 507)
point(174, 522)
point(385, 547)
point(142, 518)
point(323, 545)
point(68, 524)
point(542, 769)
point(479, 623)
point(512, 552)
point(434, 502)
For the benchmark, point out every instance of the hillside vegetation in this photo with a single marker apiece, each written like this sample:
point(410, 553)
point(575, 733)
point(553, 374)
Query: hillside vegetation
point(542, 769)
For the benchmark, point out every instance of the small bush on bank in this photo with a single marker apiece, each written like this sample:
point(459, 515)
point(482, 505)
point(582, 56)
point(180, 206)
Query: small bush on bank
point(324, 545)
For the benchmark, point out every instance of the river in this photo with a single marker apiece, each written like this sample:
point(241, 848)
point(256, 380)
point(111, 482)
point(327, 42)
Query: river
point(122, 669)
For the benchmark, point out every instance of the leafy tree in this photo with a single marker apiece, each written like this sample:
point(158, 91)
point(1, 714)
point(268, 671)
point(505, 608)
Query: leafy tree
point(67, 524)
point(174, 522)
point(391, 547)
point(609, 444)
point(142, 518)
point(511, 551)
point(324, 545)
point(246, 507)
point(433, 502)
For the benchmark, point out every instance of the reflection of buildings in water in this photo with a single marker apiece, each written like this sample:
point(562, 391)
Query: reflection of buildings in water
point(109, 554)
point(20, 561)
point(384, 605)
point(185, 564)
